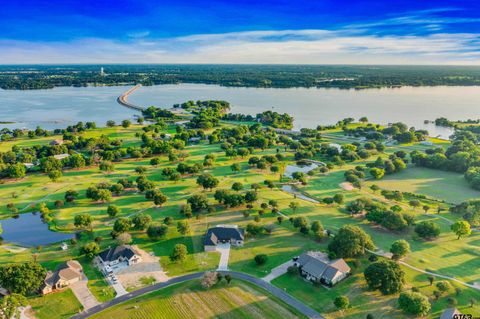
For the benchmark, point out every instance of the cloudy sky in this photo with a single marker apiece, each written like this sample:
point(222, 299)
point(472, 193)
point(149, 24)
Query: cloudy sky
point(240, 31)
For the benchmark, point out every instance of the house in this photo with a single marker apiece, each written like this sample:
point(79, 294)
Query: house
point(56, 142)
point(29, 165)
point(65, 275)
point(112, 257)
point(450, 313)
point(316, 267)
point(224, 234)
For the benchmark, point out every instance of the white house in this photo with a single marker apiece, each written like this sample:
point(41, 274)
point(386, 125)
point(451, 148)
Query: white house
point(112, 257)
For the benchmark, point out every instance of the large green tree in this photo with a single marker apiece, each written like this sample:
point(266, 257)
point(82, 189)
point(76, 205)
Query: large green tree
point(24, 278)
point(350, 241)
point(386, 276)
point(414, 303)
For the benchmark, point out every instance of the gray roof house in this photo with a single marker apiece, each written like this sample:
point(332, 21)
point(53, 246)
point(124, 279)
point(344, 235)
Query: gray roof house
point(449, 313)
point(119, 254)
point(223, 234)
point(316, 267)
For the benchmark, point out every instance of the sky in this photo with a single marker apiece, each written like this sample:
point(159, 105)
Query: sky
point(240, 31)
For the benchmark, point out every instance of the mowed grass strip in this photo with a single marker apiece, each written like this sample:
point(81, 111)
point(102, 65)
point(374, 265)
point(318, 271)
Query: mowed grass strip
point(189, 300)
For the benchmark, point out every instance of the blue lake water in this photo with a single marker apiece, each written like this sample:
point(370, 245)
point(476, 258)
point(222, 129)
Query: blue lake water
point(29, 230)
point(62, 106)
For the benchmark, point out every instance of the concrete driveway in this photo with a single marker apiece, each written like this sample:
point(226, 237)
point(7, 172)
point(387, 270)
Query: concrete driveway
point(119, 289)
point(224, 250)
point(278, 271)
point(84, 295)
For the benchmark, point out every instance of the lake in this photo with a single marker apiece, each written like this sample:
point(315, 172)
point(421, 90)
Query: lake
point(59, 107)
point(29, 230)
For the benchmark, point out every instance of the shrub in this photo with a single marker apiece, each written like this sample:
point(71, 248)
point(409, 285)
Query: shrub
point(261, 259)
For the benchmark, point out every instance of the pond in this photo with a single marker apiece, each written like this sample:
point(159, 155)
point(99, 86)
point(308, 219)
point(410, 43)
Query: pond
point(59, 107)
point(290, 169)
point(30, 230)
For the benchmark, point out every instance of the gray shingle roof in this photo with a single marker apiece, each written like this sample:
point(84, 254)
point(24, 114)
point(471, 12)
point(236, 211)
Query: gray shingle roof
point(316, 264)
point(223, 233)
point(115, 253)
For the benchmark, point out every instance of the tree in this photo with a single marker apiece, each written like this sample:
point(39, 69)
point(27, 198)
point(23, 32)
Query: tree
point(10, 306)
point(117, 188)
point(377, 173)
point(260, 259)
point(126, 123)
point(113, 210)
point(293, 206)
point(207, 181)
point(250, 197)
point(83, 220)
point(70, 195)
point(104, 195)
point(106, 166)
point(124, 238)
point(443, 286)
point(179, 253)
point(110, 123)
point(159, 198)
point(157, 232)
point(414, 303)
point(198, 202)
point(427, 230)
point(426, 208)
point(414, 203)
point(235, 167)
point(431, 279)
point(461, 228)
point(209, 279)
point(140, 170)
point(90, 249)
point(400, 248)
point(76, 161)
point(341, 302)
point(22, 278)
point(228, 278)
point(338, 198)
point(183, 227)
point(350, 241)
point(122, 225)
point(386, 276)
point(237, 186)
point(54, 175)
point(17, 170)
point(374, 188)
point(141, 221)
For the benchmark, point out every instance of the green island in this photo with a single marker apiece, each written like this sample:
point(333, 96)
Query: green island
point(396, 207)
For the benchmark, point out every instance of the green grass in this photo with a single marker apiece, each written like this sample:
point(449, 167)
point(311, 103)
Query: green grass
point(364, 301)
point(96, 282)
point(190, 300)
point(442, 185)
point(57, 305)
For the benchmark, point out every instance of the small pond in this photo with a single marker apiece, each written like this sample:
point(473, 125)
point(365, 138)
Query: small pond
point(30, 230)
point(290, 169)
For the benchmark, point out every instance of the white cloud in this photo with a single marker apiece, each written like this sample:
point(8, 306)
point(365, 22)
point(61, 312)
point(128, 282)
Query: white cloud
point(284, 46)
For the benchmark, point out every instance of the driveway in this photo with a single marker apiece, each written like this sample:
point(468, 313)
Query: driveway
point(119, 289)
point(84, 295)
point(278, 271)
point(224, 250)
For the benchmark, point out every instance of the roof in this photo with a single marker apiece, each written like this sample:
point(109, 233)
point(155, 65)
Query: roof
point(56, 142)
point(111, 254)
point(448, 313)
point(67, 271)
point(223, 233)
point(316, 264)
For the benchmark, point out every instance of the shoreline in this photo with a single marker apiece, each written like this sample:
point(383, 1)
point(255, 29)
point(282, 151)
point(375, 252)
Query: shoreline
point(123, 99)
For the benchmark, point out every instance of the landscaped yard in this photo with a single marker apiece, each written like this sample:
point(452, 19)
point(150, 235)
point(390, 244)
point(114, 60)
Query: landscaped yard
point(189, 300)
point(57, 305)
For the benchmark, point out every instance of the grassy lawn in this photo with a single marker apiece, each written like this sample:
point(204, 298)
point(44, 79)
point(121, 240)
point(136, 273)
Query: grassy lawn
point(96, 282)
point(56, 305)
point(190, 300)
point(448, 186)
point(364, 301)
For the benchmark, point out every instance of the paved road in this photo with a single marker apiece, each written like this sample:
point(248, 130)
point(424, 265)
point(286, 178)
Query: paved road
point(279, 293)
